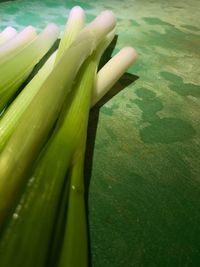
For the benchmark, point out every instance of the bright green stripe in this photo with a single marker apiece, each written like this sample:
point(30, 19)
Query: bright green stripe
point(74, 250)
point(13, 113)
point(14, 70)
point(7, 34)
point(73, 26)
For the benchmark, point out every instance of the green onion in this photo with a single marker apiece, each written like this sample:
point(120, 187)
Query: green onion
point(112, 71)
point(11, 116)
point(74, 248)
point(16, 68)
point(119, 63)
point(25, 143)
point(7, 34)
point(74, 24)
point(49, 190)
point(9, 240)
point(16, 44)
point(48, 178)
point(43, 138)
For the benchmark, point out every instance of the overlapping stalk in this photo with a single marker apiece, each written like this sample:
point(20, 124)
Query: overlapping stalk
point(7, 34)
point(17, 43)
point(16, 67)
point(16, 178)
point(51, 118)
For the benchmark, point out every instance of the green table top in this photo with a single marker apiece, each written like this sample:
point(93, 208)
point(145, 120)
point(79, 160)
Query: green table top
point(144, 172)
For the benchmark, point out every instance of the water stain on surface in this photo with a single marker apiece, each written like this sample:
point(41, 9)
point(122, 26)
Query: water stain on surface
point(167, 130)
point(190, 27)
point(109, 110)
point(161, 130)
point(149, 104)
point(179, 7)
point(177, 85)
point(173, 38)
point(134, 23)
point(145, 94)
point(156, 21)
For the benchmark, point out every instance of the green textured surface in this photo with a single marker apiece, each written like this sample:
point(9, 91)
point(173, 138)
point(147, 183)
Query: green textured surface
point(144, 195)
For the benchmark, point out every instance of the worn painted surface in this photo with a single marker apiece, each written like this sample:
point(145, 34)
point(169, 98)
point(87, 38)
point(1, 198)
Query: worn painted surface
point(144, 195)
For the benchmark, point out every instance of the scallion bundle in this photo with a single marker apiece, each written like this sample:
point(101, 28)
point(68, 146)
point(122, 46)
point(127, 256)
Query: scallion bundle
point(43, 137)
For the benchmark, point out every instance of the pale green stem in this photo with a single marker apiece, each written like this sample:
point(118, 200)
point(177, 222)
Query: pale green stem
point(13, 113)
point(17, 43)
point(106, 77)
point(74, 250)
point(48, 179)
point(7, 34)
point(11, 117)
point(16, 68)
point(26, 142)
point(73, 26)
point(112, 71)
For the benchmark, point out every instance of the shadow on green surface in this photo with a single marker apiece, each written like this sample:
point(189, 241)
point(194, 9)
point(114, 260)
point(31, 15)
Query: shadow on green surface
point(152, 217)
point(91, 136)
point(108, 52)
point(123, 82)
point(172, 37)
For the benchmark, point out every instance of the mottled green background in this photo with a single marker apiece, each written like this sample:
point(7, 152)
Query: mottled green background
point(144, 194)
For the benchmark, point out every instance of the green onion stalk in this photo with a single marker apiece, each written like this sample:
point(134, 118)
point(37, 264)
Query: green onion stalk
point(16, 66)
point(17, 43)
point(7, 34)
point(40, 212)
point(37, 121)
point(73, 247)
point(38, 183)
point(48, 179)
point(12, 114)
